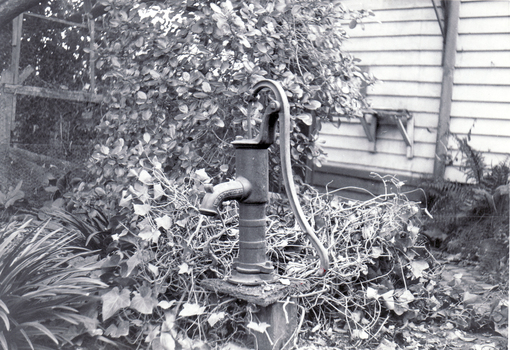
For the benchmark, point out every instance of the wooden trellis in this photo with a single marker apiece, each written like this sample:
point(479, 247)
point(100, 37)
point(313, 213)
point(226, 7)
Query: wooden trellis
point(11, 79)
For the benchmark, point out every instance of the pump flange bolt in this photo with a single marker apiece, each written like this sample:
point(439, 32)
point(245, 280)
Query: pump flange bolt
point(274, 105)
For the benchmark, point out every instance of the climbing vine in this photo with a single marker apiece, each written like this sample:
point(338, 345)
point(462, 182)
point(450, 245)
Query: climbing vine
point(179, 78)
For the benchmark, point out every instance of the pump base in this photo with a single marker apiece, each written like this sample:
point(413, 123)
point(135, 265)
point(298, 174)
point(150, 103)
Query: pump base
point(252, 279)
point(264, 295)
point(252, 274)
point(276, 308)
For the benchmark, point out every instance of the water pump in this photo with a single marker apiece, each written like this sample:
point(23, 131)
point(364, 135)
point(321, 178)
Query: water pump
point(251, 190)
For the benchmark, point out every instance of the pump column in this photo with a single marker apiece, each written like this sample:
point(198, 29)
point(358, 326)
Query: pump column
point(252, 266)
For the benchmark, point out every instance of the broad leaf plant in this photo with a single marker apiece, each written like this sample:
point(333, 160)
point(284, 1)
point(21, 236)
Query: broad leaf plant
point(179, 74)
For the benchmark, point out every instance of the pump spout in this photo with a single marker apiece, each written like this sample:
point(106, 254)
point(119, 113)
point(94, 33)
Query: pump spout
point(238, 189)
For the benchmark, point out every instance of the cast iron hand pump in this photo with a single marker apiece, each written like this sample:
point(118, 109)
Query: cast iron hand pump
point(250, 189)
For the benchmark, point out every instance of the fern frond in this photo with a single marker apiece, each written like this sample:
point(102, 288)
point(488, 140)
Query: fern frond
point(472, 160)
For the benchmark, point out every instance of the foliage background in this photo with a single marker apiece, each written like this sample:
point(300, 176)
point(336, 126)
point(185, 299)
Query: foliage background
point(179, 78)
point(58, 53)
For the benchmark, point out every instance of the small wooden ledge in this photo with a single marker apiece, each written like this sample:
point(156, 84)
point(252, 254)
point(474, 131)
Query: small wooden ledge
point(79, 96)
point(402, 119)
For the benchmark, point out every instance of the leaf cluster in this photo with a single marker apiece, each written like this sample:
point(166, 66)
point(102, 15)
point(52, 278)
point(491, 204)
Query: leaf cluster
point(156, 259)
point(179, 81)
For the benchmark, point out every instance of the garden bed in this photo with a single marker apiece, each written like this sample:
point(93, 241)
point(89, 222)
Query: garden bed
point(387, 288)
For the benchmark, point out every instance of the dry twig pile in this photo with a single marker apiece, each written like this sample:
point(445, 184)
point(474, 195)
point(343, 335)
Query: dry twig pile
point(375, 257)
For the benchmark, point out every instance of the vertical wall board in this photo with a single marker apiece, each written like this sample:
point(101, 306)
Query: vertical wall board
point(454, 174)
point(482, 76)
point(356, 132)
point(425, 120)
point(395, 15)
point(400, 5)
point(427, 74)
point(484, 8)
point(412, 104)
point(485, 143)
point(480, 110)
point(483, 59)
point(390, 29)
point(482, 127)
point(396, 43)
point(399, 58)
point(484, 42)
point(479, 25)
point(482, 93)
point(405, 89)
point(389, 146)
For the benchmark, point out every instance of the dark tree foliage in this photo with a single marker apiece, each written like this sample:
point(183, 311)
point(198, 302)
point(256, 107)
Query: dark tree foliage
point(10, 9)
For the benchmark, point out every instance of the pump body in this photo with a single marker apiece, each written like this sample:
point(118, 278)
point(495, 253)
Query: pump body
point(251, 190)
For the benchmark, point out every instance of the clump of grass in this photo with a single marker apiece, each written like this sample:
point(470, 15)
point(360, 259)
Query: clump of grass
point(44, 296)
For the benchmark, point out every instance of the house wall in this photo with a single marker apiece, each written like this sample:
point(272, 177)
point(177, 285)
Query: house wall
point(481, 91)
point(403, 47)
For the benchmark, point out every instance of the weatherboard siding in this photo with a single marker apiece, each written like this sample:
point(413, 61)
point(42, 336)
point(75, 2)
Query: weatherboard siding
point(481, 91)
point(402, 46)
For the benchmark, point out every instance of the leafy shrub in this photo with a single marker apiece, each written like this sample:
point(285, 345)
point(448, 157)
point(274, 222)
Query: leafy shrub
point(179, 76)
point(10, 196)
point(46, 290)
point(94, 229)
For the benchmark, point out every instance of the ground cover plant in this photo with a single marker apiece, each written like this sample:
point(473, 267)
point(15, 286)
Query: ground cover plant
point(471, 219)
point(381, 267)
point(384, 283)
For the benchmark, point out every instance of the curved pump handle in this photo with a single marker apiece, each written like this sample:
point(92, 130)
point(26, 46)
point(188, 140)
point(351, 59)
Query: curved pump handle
point(267, 134)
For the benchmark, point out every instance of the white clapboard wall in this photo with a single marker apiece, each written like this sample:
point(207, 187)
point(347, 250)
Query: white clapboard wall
point(481, 91)
point(403, 47)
